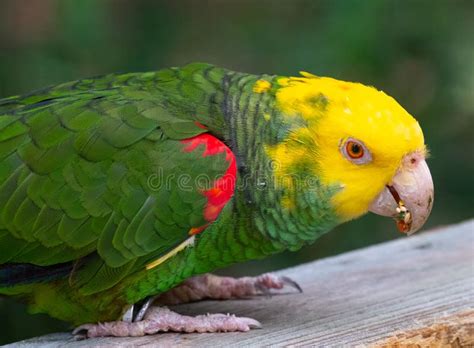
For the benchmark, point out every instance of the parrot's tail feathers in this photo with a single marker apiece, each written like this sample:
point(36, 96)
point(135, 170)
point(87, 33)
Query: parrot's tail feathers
point(25, 273)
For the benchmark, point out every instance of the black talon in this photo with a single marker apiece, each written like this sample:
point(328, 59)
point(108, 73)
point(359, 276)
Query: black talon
point(292, 283)
point(79, 335)
point(138, 315)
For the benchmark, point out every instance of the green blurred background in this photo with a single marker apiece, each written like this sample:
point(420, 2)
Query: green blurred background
point(420, 52)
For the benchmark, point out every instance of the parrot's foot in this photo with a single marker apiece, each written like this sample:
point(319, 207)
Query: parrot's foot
point(210, 286)
point(161, 319)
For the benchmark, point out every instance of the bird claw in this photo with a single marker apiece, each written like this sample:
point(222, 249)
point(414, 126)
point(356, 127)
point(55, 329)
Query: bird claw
point(291, 283)
point(131, 315)
point(80, 332)
point(144, 308)
point(128, 314)
point(266, 282)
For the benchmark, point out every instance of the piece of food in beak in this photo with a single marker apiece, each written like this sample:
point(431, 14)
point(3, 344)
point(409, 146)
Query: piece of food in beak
point(409, 197)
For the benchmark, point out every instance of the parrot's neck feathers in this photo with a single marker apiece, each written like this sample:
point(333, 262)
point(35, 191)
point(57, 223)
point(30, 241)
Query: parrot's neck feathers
point(272, 175)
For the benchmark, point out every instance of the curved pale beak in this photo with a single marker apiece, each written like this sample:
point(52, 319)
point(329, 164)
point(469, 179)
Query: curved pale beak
point(408, 198)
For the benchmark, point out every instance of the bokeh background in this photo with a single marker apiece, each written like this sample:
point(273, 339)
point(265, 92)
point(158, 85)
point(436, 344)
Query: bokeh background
point(420, 51)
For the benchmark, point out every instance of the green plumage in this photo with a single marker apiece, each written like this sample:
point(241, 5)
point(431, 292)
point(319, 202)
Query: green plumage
point(90, 190)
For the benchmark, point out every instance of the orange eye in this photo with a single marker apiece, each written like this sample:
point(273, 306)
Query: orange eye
point(354, 149)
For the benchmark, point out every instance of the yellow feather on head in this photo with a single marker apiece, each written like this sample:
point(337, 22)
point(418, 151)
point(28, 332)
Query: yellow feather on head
point(335, 111)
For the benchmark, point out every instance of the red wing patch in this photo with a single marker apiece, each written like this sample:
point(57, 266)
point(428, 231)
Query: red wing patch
point(223, 188)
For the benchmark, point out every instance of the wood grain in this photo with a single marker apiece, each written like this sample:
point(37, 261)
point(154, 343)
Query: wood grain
point(395, 294)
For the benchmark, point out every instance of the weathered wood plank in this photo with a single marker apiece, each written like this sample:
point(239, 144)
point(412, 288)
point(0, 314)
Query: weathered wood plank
point(410, 290)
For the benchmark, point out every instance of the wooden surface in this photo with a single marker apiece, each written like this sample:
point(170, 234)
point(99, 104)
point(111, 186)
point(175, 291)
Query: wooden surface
point(414, 290)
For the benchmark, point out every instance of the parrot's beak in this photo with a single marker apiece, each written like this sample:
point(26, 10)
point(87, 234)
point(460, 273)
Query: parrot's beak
point(408, 198)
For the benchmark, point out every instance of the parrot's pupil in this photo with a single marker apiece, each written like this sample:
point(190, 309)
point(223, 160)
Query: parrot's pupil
point(355, 148)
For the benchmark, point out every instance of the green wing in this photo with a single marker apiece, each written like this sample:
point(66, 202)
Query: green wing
point(95, 167)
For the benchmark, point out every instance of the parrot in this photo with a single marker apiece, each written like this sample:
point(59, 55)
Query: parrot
point(120, 194)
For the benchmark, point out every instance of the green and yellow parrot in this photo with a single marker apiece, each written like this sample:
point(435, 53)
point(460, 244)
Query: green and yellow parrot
point(123, 191)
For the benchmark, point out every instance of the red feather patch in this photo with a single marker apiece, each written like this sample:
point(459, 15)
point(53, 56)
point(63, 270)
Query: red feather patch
point(223, 188)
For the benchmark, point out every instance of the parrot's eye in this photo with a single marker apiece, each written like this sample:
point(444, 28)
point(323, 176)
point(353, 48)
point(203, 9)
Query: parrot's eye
point(355, 151)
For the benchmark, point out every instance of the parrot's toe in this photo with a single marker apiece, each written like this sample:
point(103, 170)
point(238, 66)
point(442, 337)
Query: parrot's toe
point(268, 281)
point(161, 319)
point(230, 320)
point(215, 287)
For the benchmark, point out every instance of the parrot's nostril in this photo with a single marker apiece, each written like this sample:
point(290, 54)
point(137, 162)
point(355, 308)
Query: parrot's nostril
point(413, 159)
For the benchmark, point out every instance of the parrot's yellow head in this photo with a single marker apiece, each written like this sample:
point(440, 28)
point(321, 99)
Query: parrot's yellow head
point(362, 141)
